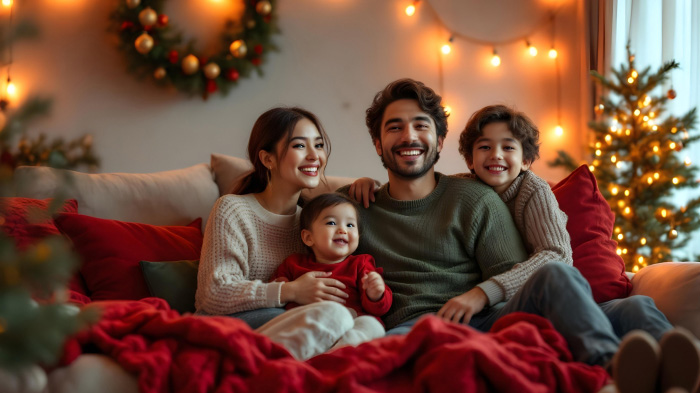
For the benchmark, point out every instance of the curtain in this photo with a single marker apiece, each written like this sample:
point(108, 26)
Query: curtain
point(660, 31)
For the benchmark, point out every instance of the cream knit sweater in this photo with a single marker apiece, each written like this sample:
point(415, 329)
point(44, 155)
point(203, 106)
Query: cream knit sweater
point(542, 226)
point(243, 245)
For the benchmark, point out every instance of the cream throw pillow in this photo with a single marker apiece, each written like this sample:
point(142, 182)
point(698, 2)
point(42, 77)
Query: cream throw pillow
point(174, 197)
point(675, 288)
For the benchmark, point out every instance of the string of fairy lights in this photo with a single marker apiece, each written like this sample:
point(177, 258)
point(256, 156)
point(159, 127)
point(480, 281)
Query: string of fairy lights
point(10, 89)
point(414, 6)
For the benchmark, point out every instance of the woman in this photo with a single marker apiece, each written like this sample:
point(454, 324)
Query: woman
point(250, 232)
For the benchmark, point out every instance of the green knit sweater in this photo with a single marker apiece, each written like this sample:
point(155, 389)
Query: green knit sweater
point(441, 246)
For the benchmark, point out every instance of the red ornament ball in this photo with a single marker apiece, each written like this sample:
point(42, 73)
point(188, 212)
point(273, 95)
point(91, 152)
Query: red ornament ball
point(173, 56)
point(258, 49)
point(232, 74)
point(148, 28)
point(203, 60)
point(127, 25)
point(211, 86)
point(256, 61)
point(671, 94)
point(162, 20)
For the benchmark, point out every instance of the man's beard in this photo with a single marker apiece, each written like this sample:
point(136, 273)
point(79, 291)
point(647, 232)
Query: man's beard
point(412, 171)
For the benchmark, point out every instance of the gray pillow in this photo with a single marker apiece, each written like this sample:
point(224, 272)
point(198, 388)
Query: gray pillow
point(176, 282)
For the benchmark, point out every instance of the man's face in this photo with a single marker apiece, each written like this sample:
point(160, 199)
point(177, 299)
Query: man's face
point(408, 144)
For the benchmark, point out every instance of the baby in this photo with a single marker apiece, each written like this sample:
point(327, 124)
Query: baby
point(330, 229)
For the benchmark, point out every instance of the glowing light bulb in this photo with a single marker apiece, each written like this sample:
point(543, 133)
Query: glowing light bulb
point(624, 251)
point(627, 192)
point(635, 269)
point(637, 112)
point(446, 49)
point(674, 233)
point(591, 168)
point(532, 50)
point(675, 180)
point(664, 213)
point(645, 118)
point(621, 204)
point(672, 145)
point(598, 152)
point(614, 191)
point(7, 3)
point(656, 149)
point(628, 132)
point(620, 237)
point(687, 161)
point(608, 139)
point(634, 74)
point(627, 211)
point(559, 131)
point(650, 180)
point(674, 130)
point(643, 241)
point(553, 53)
point(613, 159)
point(597, 145)
point(655, 128)
point(618, 229)
point(618, 251)
point(652, 114)
point(447, 109)
point(495, 60)
point(618, 164)
point(11, 89)
point(630, 80)
point(410, 10)
point(656, 175)
point(640, 259)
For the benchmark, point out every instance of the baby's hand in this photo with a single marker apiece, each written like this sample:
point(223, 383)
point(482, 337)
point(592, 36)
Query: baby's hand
point(363, 189)
point(281, 279)
point(374, 285)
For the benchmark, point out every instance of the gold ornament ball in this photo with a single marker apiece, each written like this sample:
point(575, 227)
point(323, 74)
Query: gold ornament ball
point(263, 7)
point(148, 17)
point(143, 43)
point(133, 3)
point(238, 48)
point(211, 70)
point(190, 64)
point(159, 73)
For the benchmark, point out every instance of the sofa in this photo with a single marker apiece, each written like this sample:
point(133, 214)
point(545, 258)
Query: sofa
point(139, 237)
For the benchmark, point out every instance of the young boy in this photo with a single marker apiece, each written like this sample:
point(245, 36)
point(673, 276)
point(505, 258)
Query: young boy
point(330, 229)
point(499, 145)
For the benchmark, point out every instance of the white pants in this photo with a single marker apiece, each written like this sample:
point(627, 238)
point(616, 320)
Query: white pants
point(312, 329)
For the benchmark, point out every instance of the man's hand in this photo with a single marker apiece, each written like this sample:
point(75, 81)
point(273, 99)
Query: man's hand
point(373, 284)
point(461, 308)
point(363, 189)
point(313, 287)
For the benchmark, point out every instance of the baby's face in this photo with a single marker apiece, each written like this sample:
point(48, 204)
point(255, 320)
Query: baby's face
point(334, 234)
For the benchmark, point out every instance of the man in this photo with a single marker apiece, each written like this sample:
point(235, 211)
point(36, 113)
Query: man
point(449, 246)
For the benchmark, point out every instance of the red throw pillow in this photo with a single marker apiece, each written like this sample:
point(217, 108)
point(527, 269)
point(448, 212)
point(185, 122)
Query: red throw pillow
point(590, 226)
point(111, 251)
point(26, 221)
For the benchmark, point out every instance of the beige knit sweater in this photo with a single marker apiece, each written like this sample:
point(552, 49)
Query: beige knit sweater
point(243, 245)
point(542, 226)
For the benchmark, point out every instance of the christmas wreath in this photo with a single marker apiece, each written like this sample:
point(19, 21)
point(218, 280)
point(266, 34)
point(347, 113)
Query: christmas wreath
point(154, 48)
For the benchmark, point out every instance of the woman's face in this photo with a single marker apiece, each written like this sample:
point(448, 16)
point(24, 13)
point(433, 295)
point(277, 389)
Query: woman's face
point(303, 162)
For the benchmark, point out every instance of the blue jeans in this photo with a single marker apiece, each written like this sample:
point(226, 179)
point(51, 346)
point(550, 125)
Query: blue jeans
point(559, 293)
point(254, 318)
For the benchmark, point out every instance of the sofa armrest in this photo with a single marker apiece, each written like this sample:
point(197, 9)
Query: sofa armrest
point(675, 288)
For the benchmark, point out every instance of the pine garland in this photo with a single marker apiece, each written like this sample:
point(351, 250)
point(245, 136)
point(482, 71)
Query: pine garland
point(153, 48)
point(635, 158)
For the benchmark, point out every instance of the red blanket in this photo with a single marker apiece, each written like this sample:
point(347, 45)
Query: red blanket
point(172, 353)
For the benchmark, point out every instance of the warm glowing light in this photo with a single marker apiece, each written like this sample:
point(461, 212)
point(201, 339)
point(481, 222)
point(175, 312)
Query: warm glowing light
point(410, 10)
point(626, 211)
point(674, 130)
point(650, 180)
point(495, 60)
point(634, 74)
point(618, 164)
point(643, 240)
point(598, 152)
point(613, 159)
point(664, 213)
point(637, 112)
point(640, 259)
point(618, 251)
point(627, 192)
point(614, 190)
point(559, 131)
point(674, 233)
point(597, 145)
point(11, 89)
point(553, 53)
point(620, 237)
point(672, 145)
point(656, 149)
point(596, 162)
point(652, 114)
point(687, 161)
point(447, 109)
point(618, 229)
point(655, 128)
point(532, 50)
point(591, 168)
point(635, 269)
point(630, 80)
point(628, 132)
point(647, 100)
point(446, 49)
point(608, 139)
point(620, 204)
point(7, 3)
point(645, 118)
point(656, 175)
point(675, 180)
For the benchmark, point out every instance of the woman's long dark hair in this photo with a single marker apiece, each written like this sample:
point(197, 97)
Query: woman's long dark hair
point(273, 126)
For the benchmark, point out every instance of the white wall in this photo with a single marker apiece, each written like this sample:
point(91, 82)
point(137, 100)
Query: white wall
point(334, 56)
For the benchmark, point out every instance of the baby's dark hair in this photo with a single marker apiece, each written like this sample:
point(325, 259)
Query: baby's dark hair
point(314, 207)
point(518, 123)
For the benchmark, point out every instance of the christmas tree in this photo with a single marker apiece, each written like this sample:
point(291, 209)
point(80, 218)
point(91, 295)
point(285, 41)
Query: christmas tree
point(635, 158)
point(35, 318)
